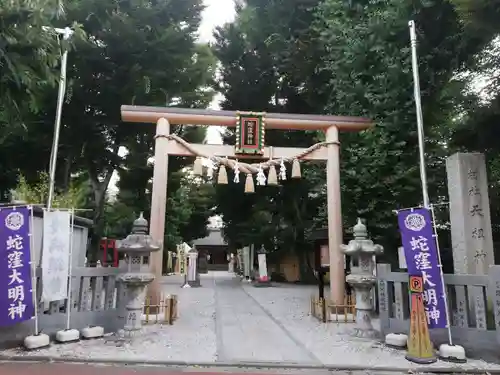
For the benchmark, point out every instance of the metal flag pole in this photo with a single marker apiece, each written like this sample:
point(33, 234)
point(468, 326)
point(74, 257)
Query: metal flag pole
point(70, 271)
point(418, 106)
point(34, 288)
point(66, 34)
point(38, 339)
point(440, 265)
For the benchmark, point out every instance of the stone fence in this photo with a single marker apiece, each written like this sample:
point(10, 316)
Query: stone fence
point(96, 300)
point(474, 305)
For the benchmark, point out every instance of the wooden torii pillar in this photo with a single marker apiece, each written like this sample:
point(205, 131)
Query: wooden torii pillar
point(163, 117)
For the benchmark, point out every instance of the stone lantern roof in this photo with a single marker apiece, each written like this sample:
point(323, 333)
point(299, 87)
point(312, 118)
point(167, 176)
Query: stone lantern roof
point(138, 242)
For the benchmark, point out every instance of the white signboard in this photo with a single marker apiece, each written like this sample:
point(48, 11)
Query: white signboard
point(55, 255)
point(182, 250)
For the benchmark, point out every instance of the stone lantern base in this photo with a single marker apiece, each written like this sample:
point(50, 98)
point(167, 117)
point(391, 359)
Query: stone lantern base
point(362, 286)
point(135, 284)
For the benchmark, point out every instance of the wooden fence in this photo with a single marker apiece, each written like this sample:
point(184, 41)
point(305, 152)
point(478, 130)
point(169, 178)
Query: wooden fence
point(474, 305)
point(167, 312)
point(326, 311)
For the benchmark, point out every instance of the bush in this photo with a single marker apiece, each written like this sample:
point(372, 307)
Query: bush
point(38, 193)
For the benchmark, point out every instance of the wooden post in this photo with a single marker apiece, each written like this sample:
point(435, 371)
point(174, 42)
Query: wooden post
point(158, 208)
point(321, 294)
point(337, 279)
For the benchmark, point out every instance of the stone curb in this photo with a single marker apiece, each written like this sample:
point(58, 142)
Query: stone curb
point(253, 365)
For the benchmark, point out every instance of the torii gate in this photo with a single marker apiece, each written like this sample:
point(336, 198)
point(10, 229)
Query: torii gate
point(166, 144)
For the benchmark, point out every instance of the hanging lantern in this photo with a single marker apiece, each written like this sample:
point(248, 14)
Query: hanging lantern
point(198, 167)
point(222, 177)
point(296, 169)
point(272, 177)
point(249, 186)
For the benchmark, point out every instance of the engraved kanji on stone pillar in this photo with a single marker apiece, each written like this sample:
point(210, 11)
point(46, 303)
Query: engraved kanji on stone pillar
point(471, 235)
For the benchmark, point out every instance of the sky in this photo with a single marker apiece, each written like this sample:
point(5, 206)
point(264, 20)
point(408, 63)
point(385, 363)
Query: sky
point(217, 13)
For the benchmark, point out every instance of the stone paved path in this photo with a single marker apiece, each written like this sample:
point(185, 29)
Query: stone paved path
point(248, 333)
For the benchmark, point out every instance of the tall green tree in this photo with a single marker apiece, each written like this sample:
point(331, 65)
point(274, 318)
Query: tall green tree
point(136, 52)
point(29, 66)
point(29, 56)
point(367, 58)
point(267, 64)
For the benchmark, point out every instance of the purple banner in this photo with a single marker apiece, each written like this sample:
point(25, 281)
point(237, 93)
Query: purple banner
point(417, 235)
point(16, 301)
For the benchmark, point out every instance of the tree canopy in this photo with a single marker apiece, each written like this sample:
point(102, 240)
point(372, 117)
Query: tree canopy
point(318, 56)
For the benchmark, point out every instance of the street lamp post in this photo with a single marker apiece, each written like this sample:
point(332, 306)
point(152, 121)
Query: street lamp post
point(66, 34)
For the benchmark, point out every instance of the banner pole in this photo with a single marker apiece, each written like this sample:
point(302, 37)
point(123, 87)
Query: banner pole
point(440, 265)
point(418, 108)
point(70, 270)
point(33, 271)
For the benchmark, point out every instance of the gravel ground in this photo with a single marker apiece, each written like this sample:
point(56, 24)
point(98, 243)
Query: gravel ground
point(231, 322)
point(331, 343)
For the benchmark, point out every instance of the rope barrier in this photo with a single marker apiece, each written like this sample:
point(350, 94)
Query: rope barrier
point(245, 167)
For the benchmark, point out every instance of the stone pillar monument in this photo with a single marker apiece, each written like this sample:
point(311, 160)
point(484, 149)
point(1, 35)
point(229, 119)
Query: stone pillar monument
point(263, 279)
point(136, 246)
point(193, 276)
point(362, 278)
point(471, 235)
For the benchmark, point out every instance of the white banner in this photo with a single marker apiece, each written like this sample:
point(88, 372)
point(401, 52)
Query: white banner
point(55, 255)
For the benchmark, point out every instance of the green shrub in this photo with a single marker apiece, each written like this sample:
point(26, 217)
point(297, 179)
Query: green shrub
point(38, 193)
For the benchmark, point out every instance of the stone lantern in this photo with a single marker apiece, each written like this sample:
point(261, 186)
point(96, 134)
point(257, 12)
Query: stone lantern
point(362, 278)
point(137, 247)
